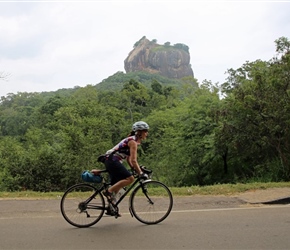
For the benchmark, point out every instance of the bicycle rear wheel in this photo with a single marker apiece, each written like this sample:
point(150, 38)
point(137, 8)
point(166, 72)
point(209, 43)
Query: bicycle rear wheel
point(82, 206)
point(151, 202)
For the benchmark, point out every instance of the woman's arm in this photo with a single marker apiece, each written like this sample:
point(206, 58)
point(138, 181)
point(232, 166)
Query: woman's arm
point(132, 159)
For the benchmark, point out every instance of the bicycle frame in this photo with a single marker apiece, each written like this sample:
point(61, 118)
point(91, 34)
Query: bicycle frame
point(104, 186)
point(127, 191)
point(74, 207)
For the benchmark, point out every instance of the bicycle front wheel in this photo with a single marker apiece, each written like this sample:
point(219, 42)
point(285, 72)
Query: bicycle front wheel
point(151, 202)
point(82, 206)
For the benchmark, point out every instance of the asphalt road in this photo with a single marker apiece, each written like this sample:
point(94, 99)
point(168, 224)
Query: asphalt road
point(195, 223)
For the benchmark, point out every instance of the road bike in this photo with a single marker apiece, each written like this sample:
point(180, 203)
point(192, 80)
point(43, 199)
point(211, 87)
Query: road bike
point(150, 201)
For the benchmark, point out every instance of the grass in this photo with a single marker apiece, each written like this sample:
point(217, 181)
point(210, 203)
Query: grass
point(219, 189)
point(228, 189)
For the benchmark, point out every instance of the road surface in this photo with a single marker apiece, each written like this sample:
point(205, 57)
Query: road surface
point(195, 223)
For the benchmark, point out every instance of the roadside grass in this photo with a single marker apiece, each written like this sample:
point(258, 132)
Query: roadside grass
point(218, 189)
point(228, 189)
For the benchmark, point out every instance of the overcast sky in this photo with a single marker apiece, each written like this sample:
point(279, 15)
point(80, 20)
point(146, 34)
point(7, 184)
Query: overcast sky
point(49, 45)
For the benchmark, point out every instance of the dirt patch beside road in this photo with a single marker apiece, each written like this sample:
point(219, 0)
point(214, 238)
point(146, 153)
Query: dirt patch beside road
point(266, 196)
point(253, 197)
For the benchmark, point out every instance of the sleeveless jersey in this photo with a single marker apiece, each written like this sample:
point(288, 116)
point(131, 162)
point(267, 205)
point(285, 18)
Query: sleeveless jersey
point(122, 149)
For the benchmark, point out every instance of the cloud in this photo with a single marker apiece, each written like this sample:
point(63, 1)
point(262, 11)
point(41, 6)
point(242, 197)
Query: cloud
point(46, 46)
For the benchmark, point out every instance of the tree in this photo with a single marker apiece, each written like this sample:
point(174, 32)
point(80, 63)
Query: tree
point(156, 87)
point(134, 100)
point(12, 154)
point(3, 76)
point(256, 125)
point(18, 113)
point(181, 46)
point(181, 141)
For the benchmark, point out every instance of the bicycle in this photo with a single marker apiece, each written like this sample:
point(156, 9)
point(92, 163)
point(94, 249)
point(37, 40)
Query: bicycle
point(150, 202)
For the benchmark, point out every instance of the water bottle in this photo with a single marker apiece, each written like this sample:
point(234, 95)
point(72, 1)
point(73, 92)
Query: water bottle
point(120, 193)
point(114, 198)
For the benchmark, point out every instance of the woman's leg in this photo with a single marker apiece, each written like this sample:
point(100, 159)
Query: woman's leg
point(120, 184)
point(120, 176)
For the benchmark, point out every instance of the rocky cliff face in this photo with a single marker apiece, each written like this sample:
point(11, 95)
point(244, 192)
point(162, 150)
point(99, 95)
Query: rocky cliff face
point(166, 60)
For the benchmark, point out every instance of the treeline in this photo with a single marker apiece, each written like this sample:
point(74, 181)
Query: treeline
point(200, 133)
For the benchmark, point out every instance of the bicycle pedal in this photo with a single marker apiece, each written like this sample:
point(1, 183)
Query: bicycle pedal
point(117, 216)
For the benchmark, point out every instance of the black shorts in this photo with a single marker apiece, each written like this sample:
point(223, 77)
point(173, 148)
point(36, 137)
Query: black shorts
point(117, 170)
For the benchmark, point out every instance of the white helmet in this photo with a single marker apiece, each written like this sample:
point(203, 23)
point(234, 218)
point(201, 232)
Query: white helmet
point(140, 126)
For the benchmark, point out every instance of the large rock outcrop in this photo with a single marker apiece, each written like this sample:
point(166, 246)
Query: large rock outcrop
point(166, 60)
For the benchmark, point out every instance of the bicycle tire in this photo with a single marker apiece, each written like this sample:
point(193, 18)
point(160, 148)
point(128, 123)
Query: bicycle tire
point(80, 207)
point(151, 202)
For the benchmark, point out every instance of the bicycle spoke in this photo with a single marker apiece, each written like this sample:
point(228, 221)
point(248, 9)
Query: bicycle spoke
point(151, 203)
point(80, 208)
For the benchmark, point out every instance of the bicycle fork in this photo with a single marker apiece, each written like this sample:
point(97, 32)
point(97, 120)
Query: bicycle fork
point(144, 190)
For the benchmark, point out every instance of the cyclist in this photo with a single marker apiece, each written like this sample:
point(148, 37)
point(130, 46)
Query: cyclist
point(125, 149)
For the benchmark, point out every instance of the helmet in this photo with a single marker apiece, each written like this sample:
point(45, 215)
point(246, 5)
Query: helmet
point(140, 126)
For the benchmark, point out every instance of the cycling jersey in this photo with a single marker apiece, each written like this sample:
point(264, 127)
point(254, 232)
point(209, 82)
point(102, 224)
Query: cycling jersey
point(122, 149)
